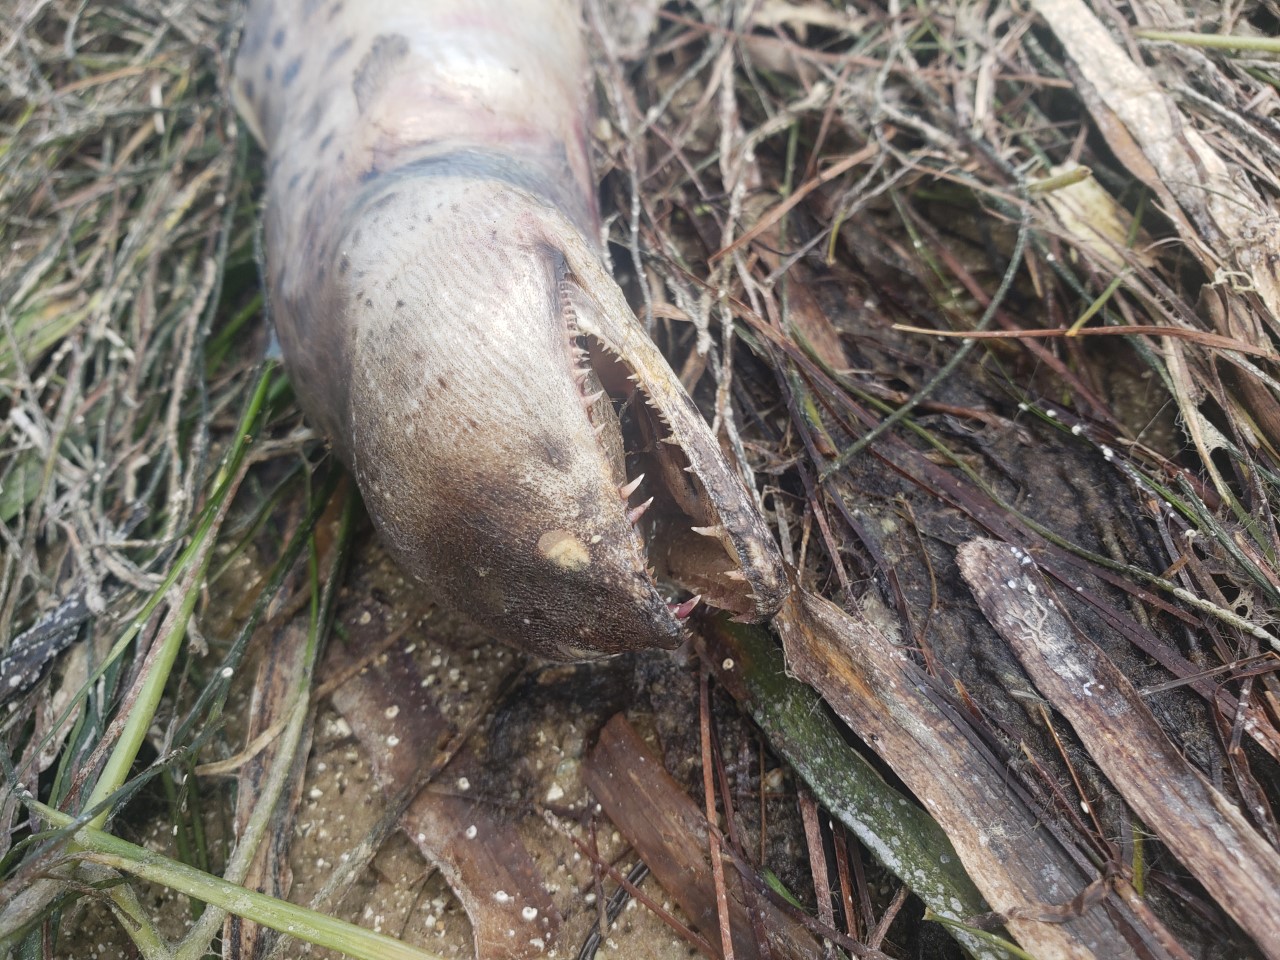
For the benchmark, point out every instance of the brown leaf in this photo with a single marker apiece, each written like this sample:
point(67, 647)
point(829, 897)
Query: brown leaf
point(670, 833)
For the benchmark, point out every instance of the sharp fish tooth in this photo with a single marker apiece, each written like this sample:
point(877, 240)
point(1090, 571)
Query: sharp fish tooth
point(627, 489)
point(682, 610)
point(634, 515)
point(590, 401)
point(715, 531)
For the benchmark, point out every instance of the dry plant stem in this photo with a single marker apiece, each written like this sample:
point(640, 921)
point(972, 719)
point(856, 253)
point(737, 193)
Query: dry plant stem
point(841, 845)
point(1216, 40)
point(783, 207)
point(616, 86)
point(736, 168)
point(673, 923)
point(818, 870)
point(1210, 340)
point(1138, 574)
point(886, 921)
point(1204, 829)
point(750, 898)
point(713, 836)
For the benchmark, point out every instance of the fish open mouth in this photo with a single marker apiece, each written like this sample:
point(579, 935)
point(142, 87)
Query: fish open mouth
point(696, 526)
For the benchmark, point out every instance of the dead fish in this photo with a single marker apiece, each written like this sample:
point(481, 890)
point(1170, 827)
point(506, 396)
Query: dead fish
point(448, 324)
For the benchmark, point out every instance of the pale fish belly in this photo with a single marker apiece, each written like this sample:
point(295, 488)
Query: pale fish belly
point(447, 324)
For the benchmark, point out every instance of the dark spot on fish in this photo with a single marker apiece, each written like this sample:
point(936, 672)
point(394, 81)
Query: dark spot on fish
point(294, 181)
point(383, 200)
point(247, 87)
point(368, 301)
point(444, 384)
point(399, 304)
point(269, 73)
point(326, 142)
point(311, 120)
point(471, 422)
point(378, 66)
point(344, 264)
point(355, 235)
point(555, 453)
point(339, 50)
point(277, 38)
point(291, 71)
point(335, 9)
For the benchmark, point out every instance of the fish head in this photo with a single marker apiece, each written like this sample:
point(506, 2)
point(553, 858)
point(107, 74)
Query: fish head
point(522, 446)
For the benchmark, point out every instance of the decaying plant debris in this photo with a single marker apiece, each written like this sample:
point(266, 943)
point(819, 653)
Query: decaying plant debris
point(985, 295)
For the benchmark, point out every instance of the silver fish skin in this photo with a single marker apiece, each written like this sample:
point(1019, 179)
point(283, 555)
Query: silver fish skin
point(446, 321)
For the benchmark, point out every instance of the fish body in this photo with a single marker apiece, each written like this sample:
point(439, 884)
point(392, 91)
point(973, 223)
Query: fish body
point(447, 323)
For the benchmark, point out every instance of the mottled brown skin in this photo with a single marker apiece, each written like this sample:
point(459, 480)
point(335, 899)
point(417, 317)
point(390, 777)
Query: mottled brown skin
point(433, 285)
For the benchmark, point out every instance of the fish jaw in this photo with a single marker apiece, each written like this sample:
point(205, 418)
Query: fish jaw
point(471, 429)
point(750, 578)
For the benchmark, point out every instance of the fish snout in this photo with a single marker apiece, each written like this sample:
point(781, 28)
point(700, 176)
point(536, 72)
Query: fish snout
point(488, 452)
